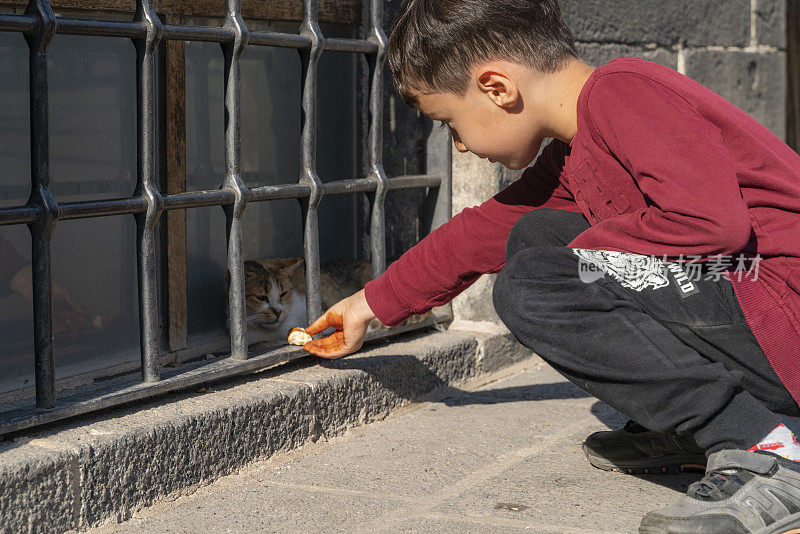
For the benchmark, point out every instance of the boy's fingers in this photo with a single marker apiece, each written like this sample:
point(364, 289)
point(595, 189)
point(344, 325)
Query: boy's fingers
point(329, 347)
point(329, 319)
point(318, 326)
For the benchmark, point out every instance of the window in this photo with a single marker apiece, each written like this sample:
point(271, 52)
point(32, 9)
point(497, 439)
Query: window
point(283, 132)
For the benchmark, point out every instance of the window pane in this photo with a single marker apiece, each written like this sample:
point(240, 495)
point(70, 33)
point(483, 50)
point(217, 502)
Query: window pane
point(92, 117)
point(16, 314)
point(95, 260)
point(16, 319)
point(15, 158)
point(337, 147)
point(92, 156)
point(205, 116)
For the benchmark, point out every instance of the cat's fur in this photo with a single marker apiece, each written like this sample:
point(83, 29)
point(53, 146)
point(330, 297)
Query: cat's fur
point(275, 293)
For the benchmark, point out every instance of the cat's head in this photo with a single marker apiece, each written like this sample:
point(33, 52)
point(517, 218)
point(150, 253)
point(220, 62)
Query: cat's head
point(268, 286)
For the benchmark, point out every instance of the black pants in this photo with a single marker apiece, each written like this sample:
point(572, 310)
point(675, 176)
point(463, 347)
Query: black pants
point(669, 354)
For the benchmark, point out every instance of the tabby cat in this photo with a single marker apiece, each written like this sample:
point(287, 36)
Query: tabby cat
point(275, 293)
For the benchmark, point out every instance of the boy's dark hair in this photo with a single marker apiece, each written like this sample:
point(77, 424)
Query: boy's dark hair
point(434, 43)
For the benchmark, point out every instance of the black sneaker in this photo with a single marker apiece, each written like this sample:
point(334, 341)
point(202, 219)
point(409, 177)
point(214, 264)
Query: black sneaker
point(636, 450)
point(742, 493)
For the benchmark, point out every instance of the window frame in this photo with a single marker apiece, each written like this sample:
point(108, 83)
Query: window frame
point(163, 21)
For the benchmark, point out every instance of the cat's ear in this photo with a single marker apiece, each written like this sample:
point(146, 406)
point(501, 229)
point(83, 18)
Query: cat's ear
point(288, 265)
point(280, 264)
point(297, 275)
point(292, 267)
point(252, 270)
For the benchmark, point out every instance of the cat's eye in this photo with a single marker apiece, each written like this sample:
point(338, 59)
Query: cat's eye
point(284, 294)
point(262, 298)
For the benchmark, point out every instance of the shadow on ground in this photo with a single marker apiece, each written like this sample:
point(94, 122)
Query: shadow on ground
point(536, 392)
point(452, 396)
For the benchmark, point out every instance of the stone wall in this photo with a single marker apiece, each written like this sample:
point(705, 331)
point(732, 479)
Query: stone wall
point(735, 47)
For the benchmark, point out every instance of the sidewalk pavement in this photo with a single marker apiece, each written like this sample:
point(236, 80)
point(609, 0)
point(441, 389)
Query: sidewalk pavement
point(504, 456)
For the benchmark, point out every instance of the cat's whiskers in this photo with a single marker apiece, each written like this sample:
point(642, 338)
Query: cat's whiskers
point(252, 317)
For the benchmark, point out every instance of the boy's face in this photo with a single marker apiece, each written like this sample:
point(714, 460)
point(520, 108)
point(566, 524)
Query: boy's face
point(489, 120)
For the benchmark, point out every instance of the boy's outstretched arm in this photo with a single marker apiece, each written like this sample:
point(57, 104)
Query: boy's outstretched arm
point(447, 261)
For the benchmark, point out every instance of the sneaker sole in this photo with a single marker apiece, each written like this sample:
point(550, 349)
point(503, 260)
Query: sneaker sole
point(663, 465)
point(790, 526)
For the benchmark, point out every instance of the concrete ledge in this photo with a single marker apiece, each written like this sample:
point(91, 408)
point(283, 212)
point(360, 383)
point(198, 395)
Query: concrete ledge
point(104, 467)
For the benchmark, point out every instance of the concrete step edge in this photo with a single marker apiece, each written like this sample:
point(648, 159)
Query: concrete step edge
point(103, 467)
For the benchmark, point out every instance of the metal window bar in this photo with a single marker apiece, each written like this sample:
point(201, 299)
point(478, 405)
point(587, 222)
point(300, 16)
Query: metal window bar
point(42, 211)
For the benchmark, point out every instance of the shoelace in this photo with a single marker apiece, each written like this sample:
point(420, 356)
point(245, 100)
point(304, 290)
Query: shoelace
point(719, 485)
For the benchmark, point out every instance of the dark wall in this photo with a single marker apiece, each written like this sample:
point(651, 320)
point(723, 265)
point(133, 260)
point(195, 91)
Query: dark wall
point(403, 154)
point(737, 48)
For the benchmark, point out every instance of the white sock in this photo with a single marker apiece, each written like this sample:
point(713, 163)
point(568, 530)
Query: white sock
point(781, 441)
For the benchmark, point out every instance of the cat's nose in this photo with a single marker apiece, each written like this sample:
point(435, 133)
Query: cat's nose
point(277, 311)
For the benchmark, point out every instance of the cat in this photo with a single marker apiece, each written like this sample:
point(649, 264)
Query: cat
point(275, 294)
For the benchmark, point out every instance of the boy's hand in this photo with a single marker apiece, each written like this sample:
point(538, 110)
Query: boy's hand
point(350, 317)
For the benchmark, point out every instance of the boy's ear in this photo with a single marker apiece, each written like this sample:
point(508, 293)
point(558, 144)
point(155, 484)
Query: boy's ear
point(501, 89)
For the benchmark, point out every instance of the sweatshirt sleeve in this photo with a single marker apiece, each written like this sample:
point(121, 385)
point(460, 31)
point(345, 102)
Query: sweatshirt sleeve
point(472, 243)
point(680, 164)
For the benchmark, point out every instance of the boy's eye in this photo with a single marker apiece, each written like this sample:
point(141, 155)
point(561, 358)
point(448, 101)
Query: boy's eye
point(443, 125)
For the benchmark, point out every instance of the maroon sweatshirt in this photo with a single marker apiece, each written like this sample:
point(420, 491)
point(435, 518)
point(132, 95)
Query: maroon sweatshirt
point(660, 165)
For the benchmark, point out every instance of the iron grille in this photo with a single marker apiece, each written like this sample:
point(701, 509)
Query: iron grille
point(42, 212)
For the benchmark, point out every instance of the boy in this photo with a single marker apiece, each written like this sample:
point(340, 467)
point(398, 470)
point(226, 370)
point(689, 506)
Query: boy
point(647, 169)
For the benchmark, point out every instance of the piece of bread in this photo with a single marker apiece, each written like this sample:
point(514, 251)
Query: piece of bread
point(298, 336)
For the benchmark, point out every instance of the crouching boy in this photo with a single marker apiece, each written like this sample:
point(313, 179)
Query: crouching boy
point(651, 253)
